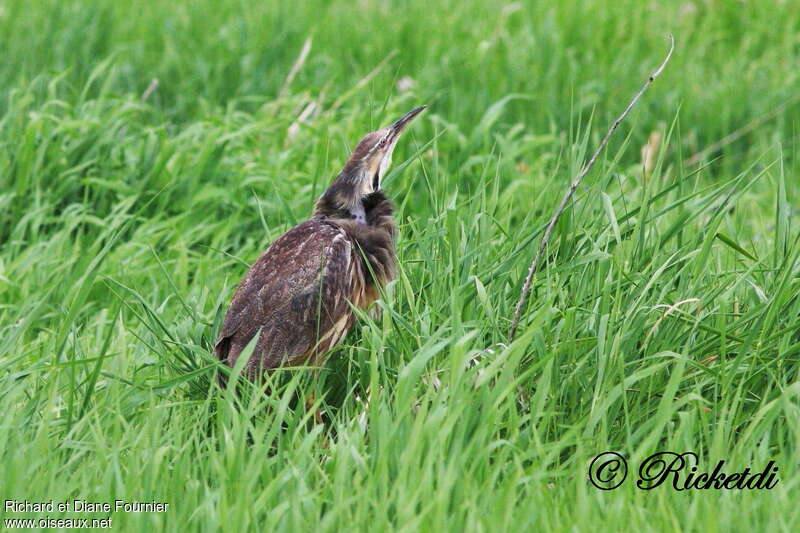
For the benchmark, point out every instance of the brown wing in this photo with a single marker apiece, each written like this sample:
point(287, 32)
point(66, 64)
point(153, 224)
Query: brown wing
point(297, 295)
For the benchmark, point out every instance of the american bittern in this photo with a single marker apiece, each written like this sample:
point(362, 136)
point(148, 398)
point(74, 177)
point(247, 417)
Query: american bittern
point(297, 297)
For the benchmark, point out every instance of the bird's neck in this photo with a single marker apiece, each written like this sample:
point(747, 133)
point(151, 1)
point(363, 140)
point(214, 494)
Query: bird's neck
point(379, 212)
point(374, 237)
point(374, 210)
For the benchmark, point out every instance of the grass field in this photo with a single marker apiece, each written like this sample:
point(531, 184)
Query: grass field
point(666, 318)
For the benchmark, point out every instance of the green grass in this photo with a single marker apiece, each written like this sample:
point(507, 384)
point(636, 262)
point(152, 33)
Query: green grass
point(667, 316)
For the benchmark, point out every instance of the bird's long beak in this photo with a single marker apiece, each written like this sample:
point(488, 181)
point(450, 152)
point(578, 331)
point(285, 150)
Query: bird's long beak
point(400, 124)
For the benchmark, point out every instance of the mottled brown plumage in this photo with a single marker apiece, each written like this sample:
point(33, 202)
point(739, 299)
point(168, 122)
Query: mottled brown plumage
point(298, 296)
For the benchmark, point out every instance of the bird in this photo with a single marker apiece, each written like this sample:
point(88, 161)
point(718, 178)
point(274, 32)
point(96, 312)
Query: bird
point(298, 297)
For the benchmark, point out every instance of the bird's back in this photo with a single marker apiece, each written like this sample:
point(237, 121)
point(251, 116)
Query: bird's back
point(298, 296)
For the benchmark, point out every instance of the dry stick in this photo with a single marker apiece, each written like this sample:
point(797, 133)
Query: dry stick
point(145, 95)
point(526, 288)
point(150, 89)
point(298, 64)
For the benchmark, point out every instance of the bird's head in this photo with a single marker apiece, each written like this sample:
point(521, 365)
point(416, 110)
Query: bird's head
point(364, 170)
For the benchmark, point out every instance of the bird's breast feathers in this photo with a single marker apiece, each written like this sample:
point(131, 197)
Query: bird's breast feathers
point(298, 295)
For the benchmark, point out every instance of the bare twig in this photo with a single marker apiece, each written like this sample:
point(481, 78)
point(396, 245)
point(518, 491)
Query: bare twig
point(526, 288)
point(298, 64)
point(150, 89)
point(744, 130)
point(307, 112)
point(145, 95)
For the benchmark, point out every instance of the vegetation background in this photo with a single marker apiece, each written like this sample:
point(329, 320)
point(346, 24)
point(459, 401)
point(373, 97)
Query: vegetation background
point(667, 317)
